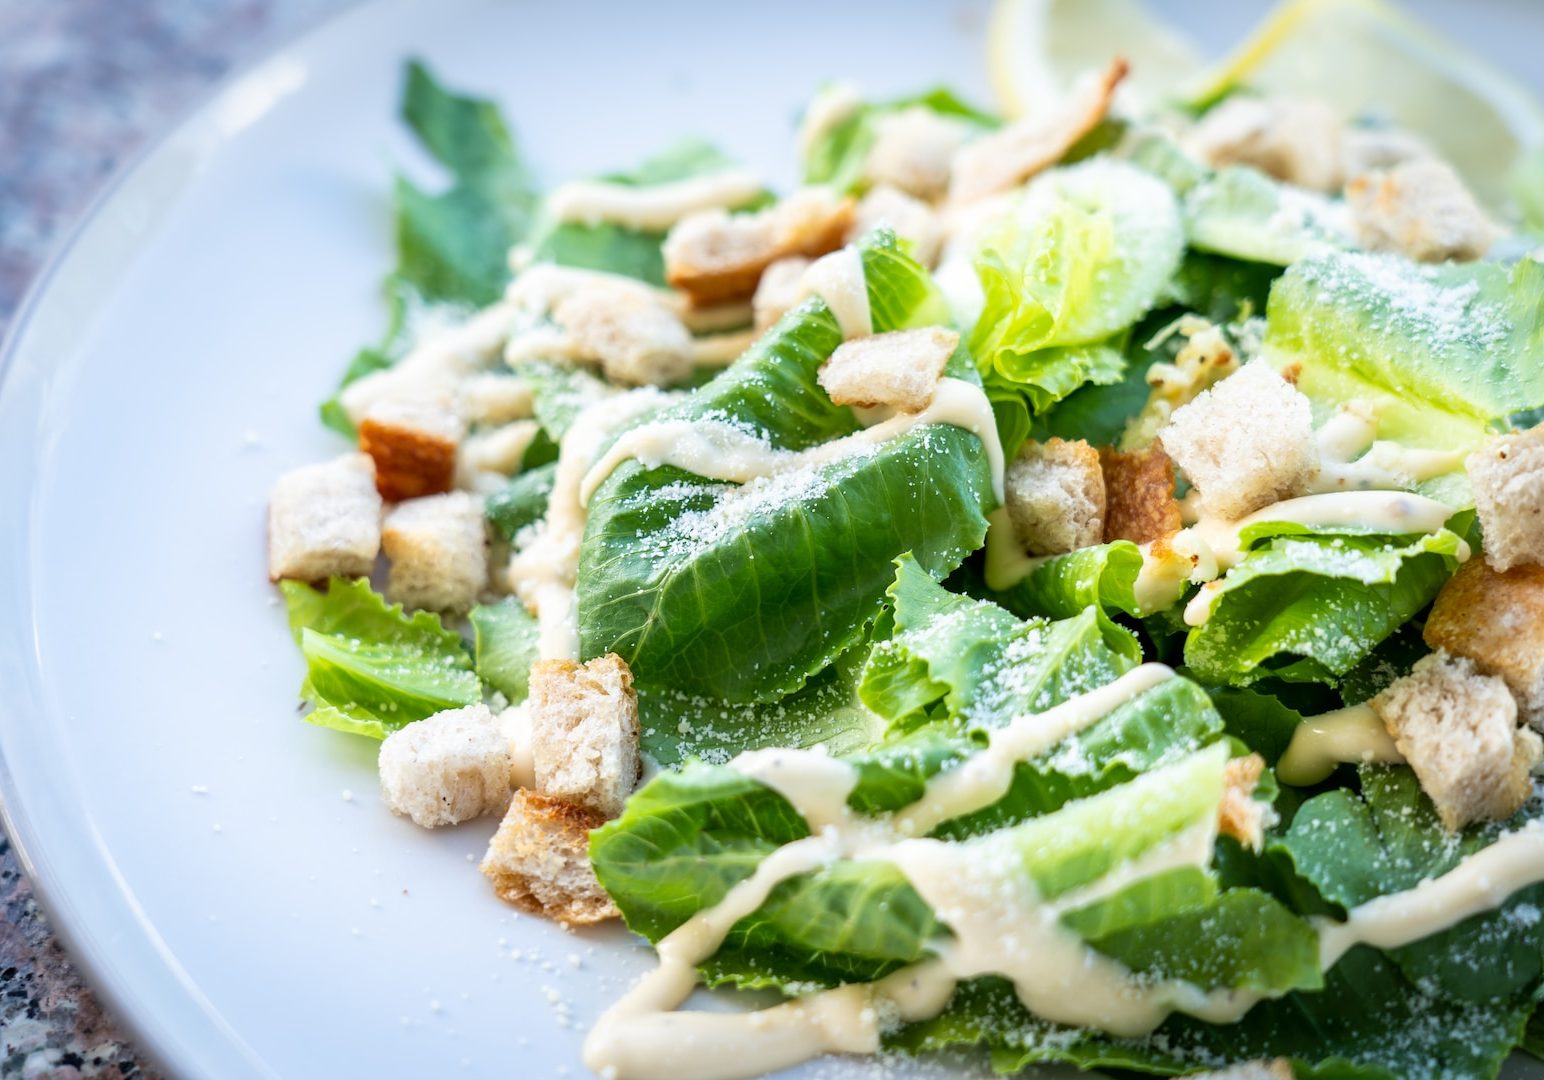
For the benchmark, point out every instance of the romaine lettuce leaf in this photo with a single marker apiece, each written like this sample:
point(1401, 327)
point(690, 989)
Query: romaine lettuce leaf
point(1309, 608)
point(1087, 251)
point(1441, 351)
point(1242, 213)
point(523, 502)
point(742, 594)
point(504, 646)
point(1103, 577)
point(370, 667)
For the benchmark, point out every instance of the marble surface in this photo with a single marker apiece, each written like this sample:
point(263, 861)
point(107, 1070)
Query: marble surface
point(83, 85)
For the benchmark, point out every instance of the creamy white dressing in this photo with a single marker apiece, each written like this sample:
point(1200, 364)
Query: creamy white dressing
point(720, 451)
point(515, 722)
point(1007, 563)
point(838, 279)
point(651, 207)
point(1385, 465)
point(1353, 735)
point(543, 571)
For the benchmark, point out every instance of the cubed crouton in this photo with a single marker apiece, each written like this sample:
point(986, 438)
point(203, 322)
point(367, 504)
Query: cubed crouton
point(497, 399)
point(714, 256)
point(1420, 209)
point(913, 150)
point(1245, 443)
point(635, 339)
point(1241, 815)
point(1298, 140)
point(1508, 478)
point(1010, 156)
point(1278, 1069)
point(450, 768)
point(438, 549)
point(324, 520)
point(1139, 503)
point(1458, 730)
point(900, 369)
point(780, 290)
point(913, 220)
point(539, 860)
point(1056, 497)
point(584, 732)
point(413, 445)
point(1496, 619)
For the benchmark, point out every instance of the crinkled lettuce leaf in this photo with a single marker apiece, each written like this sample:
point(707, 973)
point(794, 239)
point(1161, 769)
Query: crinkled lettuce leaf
point(1311, 607)
point(1103, 576)
point(1086, 252)
point(616, 248)
point(1442, 351)
point(370, 667)
point(743, 593)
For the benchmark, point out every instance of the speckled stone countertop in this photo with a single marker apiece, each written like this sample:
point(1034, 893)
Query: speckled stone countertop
point(83, 85)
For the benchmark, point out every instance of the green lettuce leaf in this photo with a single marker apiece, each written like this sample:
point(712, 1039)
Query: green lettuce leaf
point(616, 248)
point(523, 502)
point(1103, 577)
point(504, 646)
point(370, 667)
point(1244, 214)
point(1442, 351)
point(1312, 607)
point(1086, 253)
point(742, 594)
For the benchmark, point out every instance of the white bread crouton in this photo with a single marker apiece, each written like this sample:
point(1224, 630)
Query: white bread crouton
point(496, 399)
point(1056, 497)
point(713, 256)
point(1420, 209)
point(1298, 140)
point(1139, 495)
point(488, 458)
point(1496, 619)
point(913, 150)
point(635, 339)
point(413, 445)
point(1245, 443)
point(1010, 156)
point(1241, 815)
point(438, 549)
point(1508, 478)
point(452, 767)
point(780, 290)
point(584, 732)
point(913, 220)
point(1458, 730)
point(539, 861)
point(324, 520)
point(900, 369)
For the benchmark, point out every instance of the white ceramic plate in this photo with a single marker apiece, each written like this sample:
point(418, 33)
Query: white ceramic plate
point(224, 872)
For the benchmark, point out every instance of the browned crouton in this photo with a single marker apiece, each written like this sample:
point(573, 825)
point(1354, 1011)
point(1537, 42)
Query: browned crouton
point(1298, 140)
point(414, 448)
point(1421, 209)
point(539, 860)
point(1056, 496)
point(900, 369)
point(1007, 158)
point(1139, 503)
point(1508, 478)
point(1496, 619)
point(1458, 730)
point(1241, 815)
point(714, 256)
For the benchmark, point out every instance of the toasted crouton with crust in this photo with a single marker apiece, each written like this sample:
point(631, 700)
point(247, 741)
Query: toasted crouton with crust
point(1295, 139)
point(900, 369)
point(1056, 497)
point(1245, 443)
point(584, 732)
point(413, 446)
point(1496, 619)
point(1458, 730)
point(913, 220)
point(324, 520)
point(539, 860)
point(1240, 814)
point(1508, 478)
point(1421, 209)
point(913, 150)
point(438, 549)
point(714, 256)
point(1139, 503)
point(1010, 156)
point(452, 767)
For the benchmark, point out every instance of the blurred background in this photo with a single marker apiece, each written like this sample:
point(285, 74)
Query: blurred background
point(84, 84)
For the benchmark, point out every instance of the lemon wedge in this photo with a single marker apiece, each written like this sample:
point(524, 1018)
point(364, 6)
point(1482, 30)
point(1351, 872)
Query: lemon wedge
point(1036, 48)
point(1369, 60)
